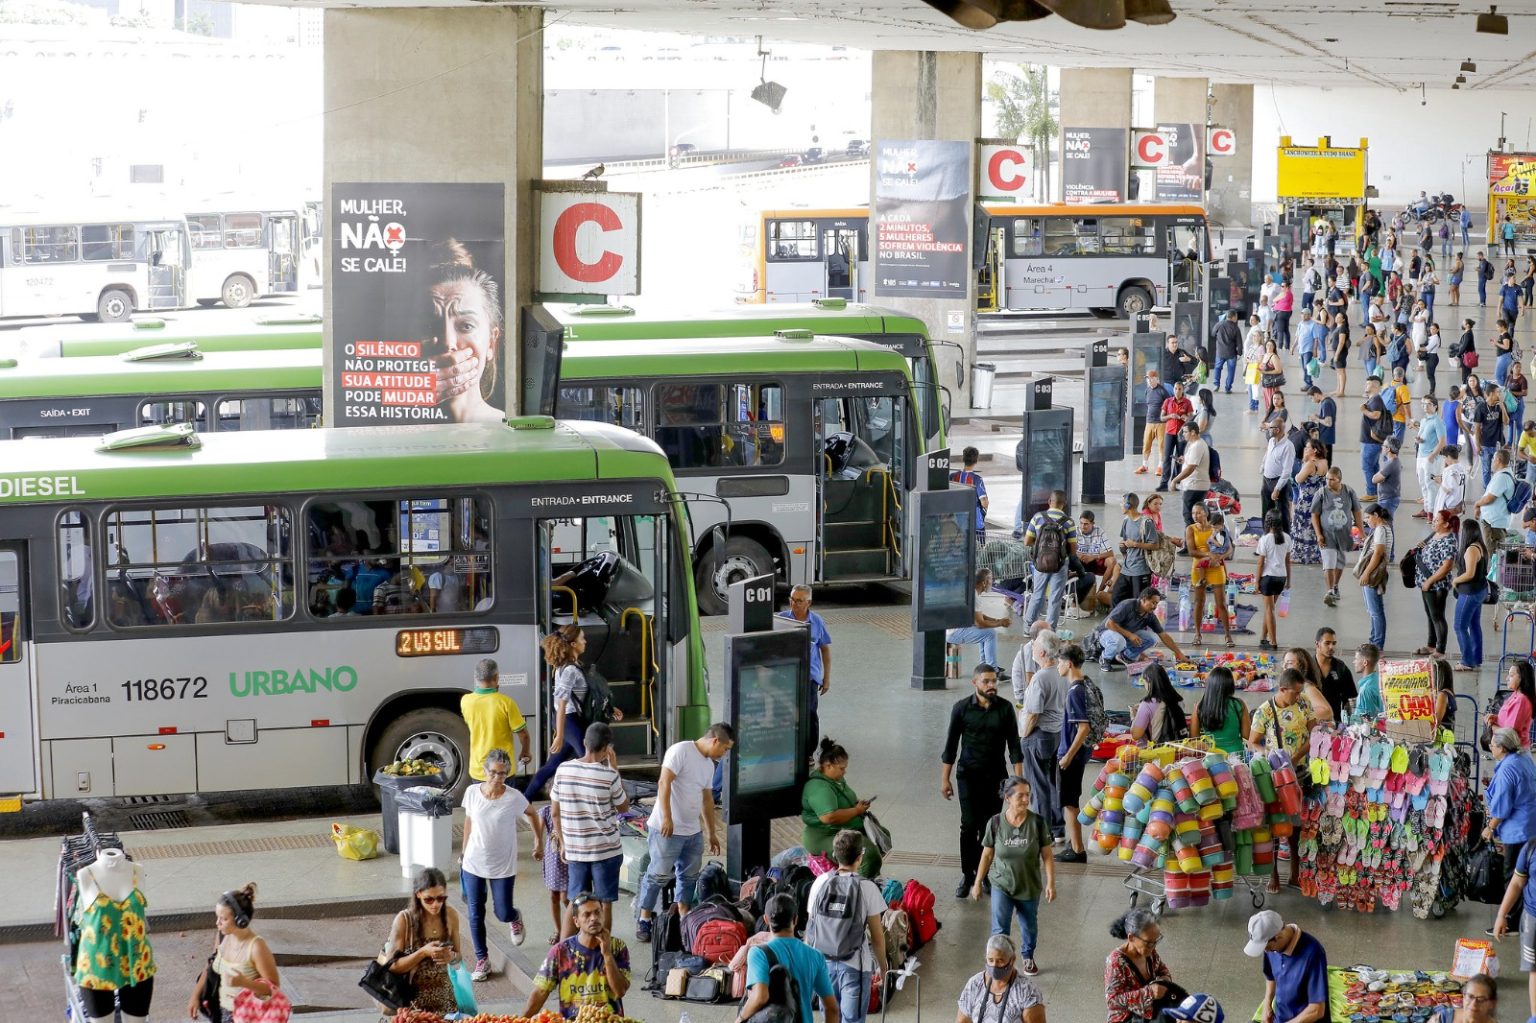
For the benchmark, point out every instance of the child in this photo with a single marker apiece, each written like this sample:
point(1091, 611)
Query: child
point(555, 879)
point(1221, 541)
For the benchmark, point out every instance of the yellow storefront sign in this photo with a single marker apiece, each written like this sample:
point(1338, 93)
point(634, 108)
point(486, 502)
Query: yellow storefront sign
point(1321, 172)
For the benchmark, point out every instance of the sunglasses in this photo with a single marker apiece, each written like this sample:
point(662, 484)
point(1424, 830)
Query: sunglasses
point(433, 899)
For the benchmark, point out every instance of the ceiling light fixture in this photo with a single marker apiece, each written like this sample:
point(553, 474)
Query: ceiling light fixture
point(1493, 23)
point(1461, 79)
point(769, 94)
point(1098, 14)
point(1455, 86)
point(1467, 65)
point(1149, 12)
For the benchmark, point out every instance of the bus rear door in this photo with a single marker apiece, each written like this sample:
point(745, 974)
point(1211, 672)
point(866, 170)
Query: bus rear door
point(18, 736)
point(166, 257)
point(841, 253)
point(282, 244)
point(862, 437)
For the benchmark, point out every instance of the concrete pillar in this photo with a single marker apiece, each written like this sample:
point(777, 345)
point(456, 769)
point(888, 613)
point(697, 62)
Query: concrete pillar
point(932, 95)
point(404, 105)
point(1230, 200)
point(1096, 97)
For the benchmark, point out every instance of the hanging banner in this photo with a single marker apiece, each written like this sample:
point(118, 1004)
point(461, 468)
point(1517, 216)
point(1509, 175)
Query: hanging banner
point(1181, 177)
point(1006, 171)
point(1094, 164)
point(922, 218)
point(1511, 174)
point(1321, 174)
point(1148, 148)
point(417, 309)
point(1221, 142)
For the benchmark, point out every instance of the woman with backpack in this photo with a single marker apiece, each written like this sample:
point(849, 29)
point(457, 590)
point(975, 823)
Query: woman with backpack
point(1160, 717)
point(563, 649)
point(1016, 863)
point(828, 805)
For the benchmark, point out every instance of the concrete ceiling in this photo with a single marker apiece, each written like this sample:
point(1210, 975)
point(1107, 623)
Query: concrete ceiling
point(1388, 43)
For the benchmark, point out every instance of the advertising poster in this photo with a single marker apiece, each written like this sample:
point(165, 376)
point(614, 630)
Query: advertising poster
point(1408, 694)
point(1511, 173)
point(1318, 173)
point(923, 218)
point(1095, 163)
point(419, 318)
point(1181, 177)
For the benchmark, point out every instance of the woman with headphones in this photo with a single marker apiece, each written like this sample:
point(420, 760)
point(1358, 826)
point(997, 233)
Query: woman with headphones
point(242, 959)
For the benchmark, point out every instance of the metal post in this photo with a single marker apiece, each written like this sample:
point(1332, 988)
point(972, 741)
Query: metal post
point(928, 647)
point(1097, 354)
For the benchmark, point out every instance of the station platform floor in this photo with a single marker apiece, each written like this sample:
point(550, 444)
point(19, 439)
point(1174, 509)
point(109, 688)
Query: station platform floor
point(325, 915)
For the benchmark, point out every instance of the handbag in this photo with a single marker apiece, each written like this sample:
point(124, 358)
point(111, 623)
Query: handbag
point(1272, 380)
point(1408, 566)
point(394, 990)
point(1251, 373)
point(878, 834)
point(1469, 359)
point(252, 1008)
point(1485, 875)
point(208, 994)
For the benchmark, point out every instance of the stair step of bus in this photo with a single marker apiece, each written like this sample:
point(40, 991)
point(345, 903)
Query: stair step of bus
point(847, 536)
point(859, 561)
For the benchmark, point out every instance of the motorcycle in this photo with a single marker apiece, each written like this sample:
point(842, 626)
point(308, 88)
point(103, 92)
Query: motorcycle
point(1441, 207)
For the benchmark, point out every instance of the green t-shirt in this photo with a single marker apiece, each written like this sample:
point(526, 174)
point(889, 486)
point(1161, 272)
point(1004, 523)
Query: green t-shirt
point(823, 795)
point(1229, 737)
point(1016, 867)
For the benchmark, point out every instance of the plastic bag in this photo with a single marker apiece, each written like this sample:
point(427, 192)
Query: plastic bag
point(463, 988)
point(424, 801)
point(354, 843)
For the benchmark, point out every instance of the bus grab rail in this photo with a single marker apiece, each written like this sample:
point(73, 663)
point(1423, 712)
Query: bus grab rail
point(647, 658)
point(575, 610)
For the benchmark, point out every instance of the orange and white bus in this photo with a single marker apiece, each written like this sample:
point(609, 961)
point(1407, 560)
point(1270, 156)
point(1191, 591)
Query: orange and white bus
point(1120, 257)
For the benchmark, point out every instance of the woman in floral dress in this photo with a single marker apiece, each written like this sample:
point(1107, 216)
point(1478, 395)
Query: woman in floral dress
point(1310, 478)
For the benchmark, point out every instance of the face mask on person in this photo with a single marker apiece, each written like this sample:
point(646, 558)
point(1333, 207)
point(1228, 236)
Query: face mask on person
point(1000, 972)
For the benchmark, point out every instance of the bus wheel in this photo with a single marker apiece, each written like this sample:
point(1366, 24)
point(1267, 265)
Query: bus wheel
point(740, 559)
point(428, 733)
point(1134, 300)
point(207, 303)
point(114, 306)
point(238, 291)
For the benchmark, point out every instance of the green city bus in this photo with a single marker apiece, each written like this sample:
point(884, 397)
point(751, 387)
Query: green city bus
point(270, 331)
point(236, 611)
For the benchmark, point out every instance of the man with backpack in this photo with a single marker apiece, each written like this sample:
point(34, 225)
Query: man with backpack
point(1492, 421)
point(1484, 275)
point(586, 799)
point(969, 477)
point(1053, 535)
point(844, 924)
point(784, 974)
point(983, 739)
point(1495, 507)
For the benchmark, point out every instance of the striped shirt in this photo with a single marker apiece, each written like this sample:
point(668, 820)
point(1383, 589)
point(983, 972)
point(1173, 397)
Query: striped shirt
point(588, 796)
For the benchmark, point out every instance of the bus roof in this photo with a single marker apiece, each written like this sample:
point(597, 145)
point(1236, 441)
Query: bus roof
point(93, 211)
point(325, 461)
point(1108, 209)
point(296, 331)
point(691, 357)
point(620, 323)
point(216, 372)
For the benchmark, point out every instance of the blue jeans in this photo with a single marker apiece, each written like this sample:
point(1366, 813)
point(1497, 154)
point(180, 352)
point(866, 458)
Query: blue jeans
point(1229, 366)
point(1517, 422)
point(600, 878)
point(574, 749)
point(1375, 607)
point(1114, 644)
point(474, 887)
point(680, 856)
point(1482, 291)
point(1469, 627)
point(851, 985)
point(1400, 430)
point(1485, 456)
point(1391, 507)
point(1370, 366)
point(984, 638)
point(1428, 295)
point(1052, 584)
point(1005, 907)
point(1501, 369)
point(1370, 461)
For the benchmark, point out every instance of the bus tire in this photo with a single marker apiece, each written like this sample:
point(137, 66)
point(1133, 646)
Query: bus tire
point(238, 291)
point(114, 306)
point(428, 733)
point(740, 559)
point(1133, 300)
point(207, 303)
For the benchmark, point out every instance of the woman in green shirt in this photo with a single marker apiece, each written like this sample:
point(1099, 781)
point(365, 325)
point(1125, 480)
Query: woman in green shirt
point(828, 805)
point(1221, 715)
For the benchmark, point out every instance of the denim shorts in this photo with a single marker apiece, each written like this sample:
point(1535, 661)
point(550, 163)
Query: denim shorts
point(601, 878)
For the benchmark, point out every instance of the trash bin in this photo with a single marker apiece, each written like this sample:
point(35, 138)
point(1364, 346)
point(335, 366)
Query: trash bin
point(426, 829)
point(390, 787)
point(982, 375)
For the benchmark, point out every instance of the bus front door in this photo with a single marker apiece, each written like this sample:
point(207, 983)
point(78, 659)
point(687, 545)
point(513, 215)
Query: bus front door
point(841, 246)
point(18, 738)
point(1186, 268)
point(282, 253)
point(862, 439)
point(167, 269)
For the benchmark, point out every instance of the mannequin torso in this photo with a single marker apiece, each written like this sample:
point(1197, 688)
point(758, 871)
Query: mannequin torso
point(112, 875)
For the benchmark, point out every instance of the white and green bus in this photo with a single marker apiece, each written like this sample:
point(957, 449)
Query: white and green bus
point(283, 609)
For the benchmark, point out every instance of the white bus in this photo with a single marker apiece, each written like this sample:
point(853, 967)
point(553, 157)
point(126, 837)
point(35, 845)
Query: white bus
point(1122, 257)
point(102, 262)
point(240, 254)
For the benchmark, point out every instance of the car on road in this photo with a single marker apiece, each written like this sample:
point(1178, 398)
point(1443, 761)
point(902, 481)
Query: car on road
point(858, 147)
point(682, 149)
point(792, 160)
point(815, 154)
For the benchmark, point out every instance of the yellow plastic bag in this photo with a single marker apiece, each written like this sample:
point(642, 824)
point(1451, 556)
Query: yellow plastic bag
point(354, 843)
point(1251, 373)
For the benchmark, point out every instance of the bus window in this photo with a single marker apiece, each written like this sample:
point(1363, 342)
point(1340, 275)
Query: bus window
point(207, 231)
point(291, 413)
point(715, 425)
point(616, 406)
point(1071, 236)
point(50, 244)
point(419, 556)
point(102, 242)
point(1127, 236)
point(1026, 237)
point(242, 230)
point(10, 608)
point(202, 565)
point(792, 239)
point(161, 413)
point(77, 595)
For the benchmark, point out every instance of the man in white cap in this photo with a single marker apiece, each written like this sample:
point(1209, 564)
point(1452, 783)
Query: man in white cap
point(1295, 970)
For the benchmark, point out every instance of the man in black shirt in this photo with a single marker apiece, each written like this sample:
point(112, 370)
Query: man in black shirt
point(982, 729)
point(1338, 681)
point(1177, 363)
point(1229, 344)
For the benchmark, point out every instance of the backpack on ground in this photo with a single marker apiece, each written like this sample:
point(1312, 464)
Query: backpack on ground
point(666, 945)
point(836, 927)
point(891, 892)
point(898, 937)
point(1098, 720)
point(1050, 544)
point(713, 880)
point(718, 940)
point(716, 908)
point(797, 882)
point(597, 703)
point(783, 994)
point(917, 902)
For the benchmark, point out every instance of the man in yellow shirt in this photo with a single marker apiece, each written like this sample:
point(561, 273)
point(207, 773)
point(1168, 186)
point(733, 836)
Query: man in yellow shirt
point(493, 719)
point(1527, 447)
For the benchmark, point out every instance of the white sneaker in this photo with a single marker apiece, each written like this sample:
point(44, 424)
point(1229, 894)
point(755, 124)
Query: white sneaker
point(517, 931)
point(482, 970)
